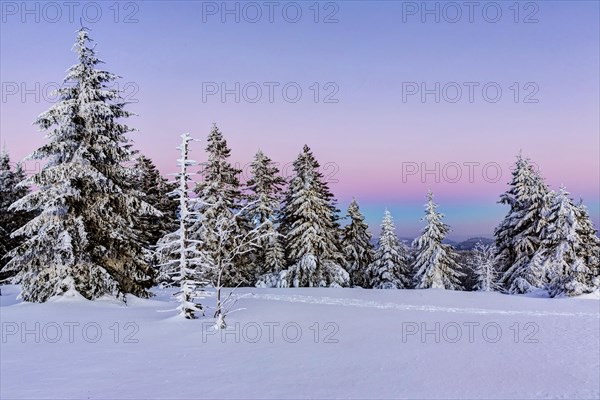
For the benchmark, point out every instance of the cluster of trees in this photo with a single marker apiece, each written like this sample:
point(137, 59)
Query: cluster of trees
point(429, 263)
point(94, 227)
point(546, 240)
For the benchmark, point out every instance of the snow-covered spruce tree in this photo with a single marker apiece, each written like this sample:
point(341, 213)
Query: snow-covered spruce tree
point(590, 248)
point(389, 269)
point(310, 226)
point(564, 249)
point(356, 243)
point(264, 189)
point(10, 221)
point(155, 190)
point(518, 237)
point(435, 263)
point(182, 264)
point(220, 199)
point(484, 268)
point(84, 239)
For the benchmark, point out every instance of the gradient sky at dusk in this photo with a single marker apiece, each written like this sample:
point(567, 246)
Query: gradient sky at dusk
point(366, 139)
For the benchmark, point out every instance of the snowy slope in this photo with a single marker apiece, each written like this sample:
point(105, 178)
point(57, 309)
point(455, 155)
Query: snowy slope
point(364, 347)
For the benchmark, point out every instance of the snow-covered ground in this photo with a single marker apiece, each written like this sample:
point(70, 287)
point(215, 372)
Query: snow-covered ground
point(305, 343)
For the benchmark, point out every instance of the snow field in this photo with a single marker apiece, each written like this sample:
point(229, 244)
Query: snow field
point(305, 343)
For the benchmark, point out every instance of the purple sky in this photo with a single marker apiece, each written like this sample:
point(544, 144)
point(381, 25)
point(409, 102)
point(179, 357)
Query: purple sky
point(375, 141)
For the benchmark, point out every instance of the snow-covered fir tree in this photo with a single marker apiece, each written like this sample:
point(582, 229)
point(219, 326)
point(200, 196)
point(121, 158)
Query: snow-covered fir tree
point(564, 249)
point(84, 239)
point(10, 221)
point(182, 264)
point(435, 263)
point(357, 246)
point(482, 263)
point(590, 248)
point(310, 225)
point(220, 200)
point(389, 269)
point(518, 237)
point(263, 210)
point(155, 189)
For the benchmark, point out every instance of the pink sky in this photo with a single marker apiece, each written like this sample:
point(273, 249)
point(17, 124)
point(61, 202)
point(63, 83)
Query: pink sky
point(367, 137)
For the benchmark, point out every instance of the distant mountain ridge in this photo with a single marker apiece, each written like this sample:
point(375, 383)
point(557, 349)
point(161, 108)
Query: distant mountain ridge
point(468, 244)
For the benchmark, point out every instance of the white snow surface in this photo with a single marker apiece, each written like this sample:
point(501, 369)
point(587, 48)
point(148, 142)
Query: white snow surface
point(364, 348)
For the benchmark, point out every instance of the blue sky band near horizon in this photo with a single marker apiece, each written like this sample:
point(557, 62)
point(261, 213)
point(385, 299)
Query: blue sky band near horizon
point(394, 98)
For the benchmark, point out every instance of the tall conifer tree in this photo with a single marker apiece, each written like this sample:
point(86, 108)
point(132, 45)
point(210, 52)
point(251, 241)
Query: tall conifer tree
point(220, 202)
point(311, 228)
point(566, 248)
point(518, 238)
point(389, 269)
point(263, 212)
point(84, 239)
point(435, 263)
point(357, 246)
